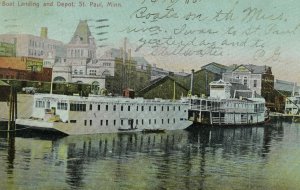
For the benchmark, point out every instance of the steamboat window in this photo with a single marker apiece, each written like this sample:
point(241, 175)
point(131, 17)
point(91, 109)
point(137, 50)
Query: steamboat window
point(91, 106)
point(106, 107)
point(128, 108)
point(39, 104)
point(62, 106)
point(91, 122)
point(101, 122)
point(114, 122)
point(114, 107)
point(77, 107)
point(154, 108)
point(121, 122)
point(106, 122)
point(121, 108)
point(98, 107)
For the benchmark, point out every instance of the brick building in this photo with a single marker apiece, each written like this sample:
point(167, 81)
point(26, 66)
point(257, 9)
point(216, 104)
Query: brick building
point(24, 68)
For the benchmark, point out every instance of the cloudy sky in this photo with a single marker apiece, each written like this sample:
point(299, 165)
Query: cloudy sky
point(175, 34)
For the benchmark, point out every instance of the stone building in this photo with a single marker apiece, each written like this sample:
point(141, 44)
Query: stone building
point(27, 45)
point(81, 64)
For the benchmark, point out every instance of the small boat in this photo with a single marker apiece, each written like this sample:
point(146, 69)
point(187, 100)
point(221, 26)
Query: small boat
point(153, 130)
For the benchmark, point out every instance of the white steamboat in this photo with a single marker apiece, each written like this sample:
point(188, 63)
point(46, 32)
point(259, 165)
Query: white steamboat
point(222, 108)
point(76, 115)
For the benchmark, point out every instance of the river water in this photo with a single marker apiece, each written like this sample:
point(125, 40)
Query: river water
point(212, 158)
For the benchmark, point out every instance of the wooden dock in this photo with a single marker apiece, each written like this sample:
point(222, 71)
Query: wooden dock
point(285, 117)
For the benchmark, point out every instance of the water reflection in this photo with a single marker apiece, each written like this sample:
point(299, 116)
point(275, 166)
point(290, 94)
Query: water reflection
point(171, 160)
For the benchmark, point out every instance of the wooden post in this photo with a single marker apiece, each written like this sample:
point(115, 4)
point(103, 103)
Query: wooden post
point(234, 117)
point(219, 118)
point(10, 109)
point(16, 105)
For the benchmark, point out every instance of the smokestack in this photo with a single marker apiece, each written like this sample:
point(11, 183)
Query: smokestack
point(44, 32)
point(192, 82)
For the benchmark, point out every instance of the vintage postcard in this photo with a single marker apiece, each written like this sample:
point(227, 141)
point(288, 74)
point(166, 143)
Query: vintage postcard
point(149, 94)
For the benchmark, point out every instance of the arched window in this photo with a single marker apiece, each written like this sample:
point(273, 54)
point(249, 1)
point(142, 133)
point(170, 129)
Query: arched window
point(59, 79)
point(106, 73)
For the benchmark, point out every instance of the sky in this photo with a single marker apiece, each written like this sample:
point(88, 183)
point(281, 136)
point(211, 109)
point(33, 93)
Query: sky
point(175, 34)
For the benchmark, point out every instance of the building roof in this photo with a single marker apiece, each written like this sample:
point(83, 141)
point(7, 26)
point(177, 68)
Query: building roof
point(220, 82)
point(215, 68)
point(12, 63)
point(255, 69)
point(287, 86)
point(82, 33)
point(159, 81)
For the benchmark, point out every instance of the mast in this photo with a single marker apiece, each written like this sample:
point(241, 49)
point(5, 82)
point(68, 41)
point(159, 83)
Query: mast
point(124, 64)
point(174, 91)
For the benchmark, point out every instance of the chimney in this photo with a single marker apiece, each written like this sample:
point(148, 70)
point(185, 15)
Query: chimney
point(44, 32)
point(192, 82)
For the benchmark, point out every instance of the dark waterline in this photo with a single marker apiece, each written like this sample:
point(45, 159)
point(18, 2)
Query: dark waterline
point(211, 158)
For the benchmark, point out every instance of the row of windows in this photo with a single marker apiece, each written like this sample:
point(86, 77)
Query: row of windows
point(141, 108)
point(82, 107)
point(77, 107)
point(93, 72)
point(245, 81)
point(76, 72)
point(77, 53)
point(130, 122)
point(33, 43)
point(35, 52)
point(39, 104)
point(62, 106)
